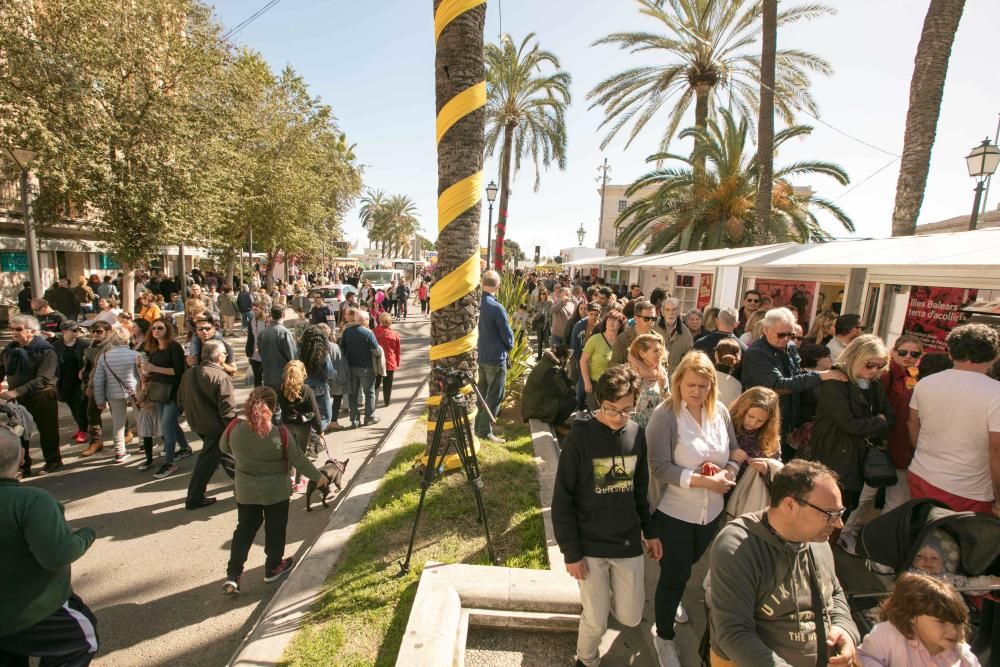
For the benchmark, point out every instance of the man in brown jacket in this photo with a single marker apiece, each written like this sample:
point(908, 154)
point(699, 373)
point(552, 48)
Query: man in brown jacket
point(645, 316)
point(562, 312)
point(207, 398)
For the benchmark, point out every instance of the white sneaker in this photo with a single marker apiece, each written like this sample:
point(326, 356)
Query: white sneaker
point(666, 651)
point(681, 616)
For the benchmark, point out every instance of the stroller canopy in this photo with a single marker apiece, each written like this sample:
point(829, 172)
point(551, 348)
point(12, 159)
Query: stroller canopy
point(894, 538)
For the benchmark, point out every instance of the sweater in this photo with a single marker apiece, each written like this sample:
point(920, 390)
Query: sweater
point(277, 347)
point(304, 411)
point(206, 396)
point(761, 602)
point(388, 340)
point(120, 361)
point(36, 549)
point(496, 338)
point(171, 356)
point(31, 369)
point(885, 646)
point(357, 343)
point(69, 385)
point(263, 464)
point(599, 504)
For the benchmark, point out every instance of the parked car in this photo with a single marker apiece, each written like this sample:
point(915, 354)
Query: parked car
point(330, 292)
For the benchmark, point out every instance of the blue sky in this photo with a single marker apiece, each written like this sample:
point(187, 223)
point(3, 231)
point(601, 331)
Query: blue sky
point(373, 63)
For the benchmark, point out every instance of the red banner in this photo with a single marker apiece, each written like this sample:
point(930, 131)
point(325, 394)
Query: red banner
point(933, 312)
point(704, 292)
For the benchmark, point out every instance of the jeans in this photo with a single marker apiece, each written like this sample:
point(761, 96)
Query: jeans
point(119, 414)
point(245, 320)
point(612, 585)
point(362, 379)
point(324, 402)
point(491, 385)
point(258, 372)
point(248, 520)
point(688, 542)
point(170, 429)
point(300, 438)
point(204, 467)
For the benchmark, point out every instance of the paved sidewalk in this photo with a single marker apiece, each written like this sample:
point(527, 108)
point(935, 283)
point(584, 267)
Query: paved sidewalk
point(154, 575)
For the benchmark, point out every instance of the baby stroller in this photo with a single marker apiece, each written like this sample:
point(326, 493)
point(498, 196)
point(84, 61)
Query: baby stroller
point(895, 539)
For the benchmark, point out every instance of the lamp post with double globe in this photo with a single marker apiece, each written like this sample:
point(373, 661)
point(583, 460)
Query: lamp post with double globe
point(491, 195)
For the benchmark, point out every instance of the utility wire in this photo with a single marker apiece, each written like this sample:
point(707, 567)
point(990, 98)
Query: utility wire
point(867, 178)
point(250, 19)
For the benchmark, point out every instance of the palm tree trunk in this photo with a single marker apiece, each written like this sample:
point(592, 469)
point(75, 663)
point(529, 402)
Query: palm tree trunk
point(930, 69)
point(702, 91)
point(765, 126)
point(508, 146)
point(458, 65)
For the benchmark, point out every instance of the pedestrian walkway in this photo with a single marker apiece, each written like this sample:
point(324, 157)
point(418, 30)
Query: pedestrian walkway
point(154, 575)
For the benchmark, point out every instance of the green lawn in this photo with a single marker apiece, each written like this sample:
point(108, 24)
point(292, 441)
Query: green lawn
point(363, 613)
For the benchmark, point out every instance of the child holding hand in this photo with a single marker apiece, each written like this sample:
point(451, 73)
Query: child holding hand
point(757, 422)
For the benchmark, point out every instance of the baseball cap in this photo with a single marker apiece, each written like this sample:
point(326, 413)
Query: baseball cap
point(69, 325)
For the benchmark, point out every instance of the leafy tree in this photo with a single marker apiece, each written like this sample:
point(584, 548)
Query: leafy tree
point(694, 209)
point(525, 113)
point(930, 69)
point(514, 252)
point(401, 224)
point(705, 51)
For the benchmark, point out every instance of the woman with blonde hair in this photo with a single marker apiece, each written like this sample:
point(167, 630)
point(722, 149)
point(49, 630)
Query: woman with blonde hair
point(262, 454)
point(822, 328)
point(852, 416)
point(693, 461)
point(756, 418)
point(754, 328)
point(646, 356)
point(299, 410)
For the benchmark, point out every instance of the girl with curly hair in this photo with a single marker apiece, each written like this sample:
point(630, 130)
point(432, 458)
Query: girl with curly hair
point(314, 353)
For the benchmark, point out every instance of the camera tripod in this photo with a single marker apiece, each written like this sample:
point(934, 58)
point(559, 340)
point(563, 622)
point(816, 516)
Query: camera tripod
point(453, 408)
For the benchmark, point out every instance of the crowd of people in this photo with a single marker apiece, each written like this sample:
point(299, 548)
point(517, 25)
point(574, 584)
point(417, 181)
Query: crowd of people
point(173, 361)
point(661, 413)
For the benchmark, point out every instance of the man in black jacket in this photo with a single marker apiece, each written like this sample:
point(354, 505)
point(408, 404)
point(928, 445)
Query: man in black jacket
point(207, 398)
point(600, 511)
point(30, 363)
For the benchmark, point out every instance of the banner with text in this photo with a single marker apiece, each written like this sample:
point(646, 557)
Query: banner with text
point(933, 312)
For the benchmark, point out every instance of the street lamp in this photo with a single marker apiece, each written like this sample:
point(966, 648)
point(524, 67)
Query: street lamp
point(491, 195)
point(580, 233)
point(23, 158)
point(982, 162)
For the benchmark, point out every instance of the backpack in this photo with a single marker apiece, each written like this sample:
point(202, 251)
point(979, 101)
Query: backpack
point(227, 461)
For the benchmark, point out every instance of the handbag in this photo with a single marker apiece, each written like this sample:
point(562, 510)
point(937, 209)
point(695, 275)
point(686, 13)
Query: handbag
point(158, 392)
point(130, 398)
point(877, 470)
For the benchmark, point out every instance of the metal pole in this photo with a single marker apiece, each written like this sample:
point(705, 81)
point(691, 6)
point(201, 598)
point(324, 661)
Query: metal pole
point(975, 206)
point(489, 236)
point(989, 179)
point(604, 187)
point(34, 270)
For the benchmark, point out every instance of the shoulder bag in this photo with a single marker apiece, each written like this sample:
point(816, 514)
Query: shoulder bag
point(877, 469)
point(130, 398)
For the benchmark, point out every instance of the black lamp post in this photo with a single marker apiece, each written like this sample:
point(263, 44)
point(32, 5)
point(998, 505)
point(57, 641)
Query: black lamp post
point(580, 233)
point(23, 159)
point(982, 162)
point(491, 195)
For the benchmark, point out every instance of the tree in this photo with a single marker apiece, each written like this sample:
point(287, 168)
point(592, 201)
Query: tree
point(930, 69)
point(401, 225)
point(371, 215)
point(704, 46)
point(458, 66)
point(526, 113)
point(694, 209)
point(765, 122)
point(514, 252)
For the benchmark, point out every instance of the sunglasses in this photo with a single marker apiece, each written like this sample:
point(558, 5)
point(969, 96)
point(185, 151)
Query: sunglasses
point(18, 329)
point(752, 300)
point(157, 328)
point(912, 353)
point(647, 318)
point(787, 334)
point(875, 365)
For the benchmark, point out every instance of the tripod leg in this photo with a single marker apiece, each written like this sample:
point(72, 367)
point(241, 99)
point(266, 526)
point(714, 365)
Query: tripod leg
point(470, 464)
point(428, 478)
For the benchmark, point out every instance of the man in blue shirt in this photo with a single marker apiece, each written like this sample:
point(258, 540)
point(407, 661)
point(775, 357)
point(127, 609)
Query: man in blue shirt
point(357, 343)
point(496, 339)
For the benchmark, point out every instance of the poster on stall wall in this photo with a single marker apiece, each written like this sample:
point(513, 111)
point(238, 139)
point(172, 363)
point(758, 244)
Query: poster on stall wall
point(933, 312)
point(792, 294)
point(704, 292)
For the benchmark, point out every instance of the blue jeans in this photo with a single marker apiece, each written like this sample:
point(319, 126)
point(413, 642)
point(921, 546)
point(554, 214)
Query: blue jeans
point(245, 319)
point(362, 379)
point(170, 429)
point(491, 386)
point(325, 403)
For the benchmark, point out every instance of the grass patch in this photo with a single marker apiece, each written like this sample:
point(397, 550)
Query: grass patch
point(362, 615)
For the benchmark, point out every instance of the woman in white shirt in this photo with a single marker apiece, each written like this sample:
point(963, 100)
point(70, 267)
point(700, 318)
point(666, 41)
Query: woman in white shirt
point(693, 461)
point(106, 313)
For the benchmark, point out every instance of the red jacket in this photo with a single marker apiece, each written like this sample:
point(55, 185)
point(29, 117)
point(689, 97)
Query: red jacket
point(388, 340)
point(898, 389)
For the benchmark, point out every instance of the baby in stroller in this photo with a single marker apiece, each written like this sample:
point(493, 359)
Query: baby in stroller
point(939, 557)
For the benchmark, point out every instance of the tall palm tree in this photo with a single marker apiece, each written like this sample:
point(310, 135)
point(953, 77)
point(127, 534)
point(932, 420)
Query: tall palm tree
point(372, 214)
point(400, 224)
point(705, 55)
point(686, 208)
point(930, 69)
point(526, 112)
point(765, 119)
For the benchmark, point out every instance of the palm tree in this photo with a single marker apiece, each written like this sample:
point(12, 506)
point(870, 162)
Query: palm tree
point(765, 123)
point(706, 56)
point(372, 215)
point(930, 69)
point(400, 213)
point(686, 208)
point(525, 110)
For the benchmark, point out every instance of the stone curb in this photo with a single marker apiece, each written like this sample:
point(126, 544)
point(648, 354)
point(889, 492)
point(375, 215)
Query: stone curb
point(273, 632)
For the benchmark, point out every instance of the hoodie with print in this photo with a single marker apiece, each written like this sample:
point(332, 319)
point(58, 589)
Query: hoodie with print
point(599, 504)
point(761, 606)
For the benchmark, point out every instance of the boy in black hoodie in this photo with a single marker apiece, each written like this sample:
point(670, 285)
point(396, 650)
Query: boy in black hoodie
point(600, 511)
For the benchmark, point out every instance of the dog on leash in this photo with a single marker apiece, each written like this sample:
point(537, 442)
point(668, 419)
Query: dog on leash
point(334, 471)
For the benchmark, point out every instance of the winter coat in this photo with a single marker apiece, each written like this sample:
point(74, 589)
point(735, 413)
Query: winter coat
point(30, 370)
point(227, 305)
point(117, 360)
point(677, 341)
point(207, 398)
point(544, 389)
point(71, 361)
point(338, 386)
point(847, 422)
point(388, 340)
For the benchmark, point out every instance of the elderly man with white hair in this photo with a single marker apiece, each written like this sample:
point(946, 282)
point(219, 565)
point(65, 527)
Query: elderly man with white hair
point(725, 327)
point(496, 340)
point(358, 343)
point(676, 336)
point(771, 362)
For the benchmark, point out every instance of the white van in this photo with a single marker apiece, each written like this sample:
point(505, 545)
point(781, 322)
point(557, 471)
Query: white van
point(380, 278)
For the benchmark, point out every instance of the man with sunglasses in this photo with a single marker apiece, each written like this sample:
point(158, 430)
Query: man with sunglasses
point(600, 511)
point(772, 575)
point(770, 362)
point(205, 330)
point(751, 302)
point(642, 323)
